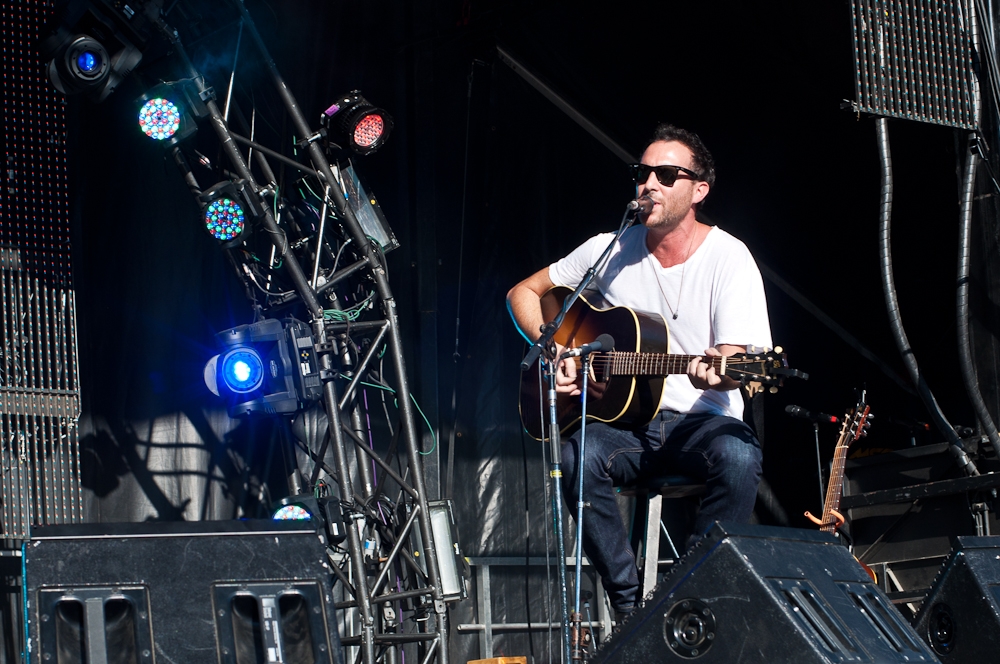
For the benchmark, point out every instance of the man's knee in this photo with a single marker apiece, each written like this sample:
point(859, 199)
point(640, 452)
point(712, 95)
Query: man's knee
point(737, 457)
point(592, 458)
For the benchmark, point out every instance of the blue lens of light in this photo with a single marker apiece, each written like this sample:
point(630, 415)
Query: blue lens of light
point(88, 61)
point(242, 370)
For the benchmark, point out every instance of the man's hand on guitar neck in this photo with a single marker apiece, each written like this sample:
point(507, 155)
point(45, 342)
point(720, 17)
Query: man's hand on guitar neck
point(704, 376)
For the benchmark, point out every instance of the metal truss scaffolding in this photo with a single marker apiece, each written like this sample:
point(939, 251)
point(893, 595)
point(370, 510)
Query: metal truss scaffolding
point(389, 566)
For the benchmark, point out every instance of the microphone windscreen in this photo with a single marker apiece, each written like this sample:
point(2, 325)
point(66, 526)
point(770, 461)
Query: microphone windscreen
point(606, 341)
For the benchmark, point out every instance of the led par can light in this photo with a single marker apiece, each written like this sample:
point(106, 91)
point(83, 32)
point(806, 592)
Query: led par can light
point(166, 112)
point(306, 507)
point(159, 118)
point(229, 209)
point(356, 122)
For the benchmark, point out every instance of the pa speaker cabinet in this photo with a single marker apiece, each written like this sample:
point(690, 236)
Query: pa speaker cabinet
point(231, 592)
point(762, 594)
point(960, 618)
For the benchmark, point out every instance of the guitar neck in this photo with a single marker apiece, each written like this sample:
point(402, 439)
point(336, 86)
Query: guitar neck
point(854, 428)
point(835, 488)
point(653, 364)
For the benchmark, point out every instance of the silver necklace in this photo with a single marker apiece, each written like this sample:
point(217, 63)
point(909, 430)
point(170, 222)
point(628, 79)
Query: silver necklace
point(680, 289)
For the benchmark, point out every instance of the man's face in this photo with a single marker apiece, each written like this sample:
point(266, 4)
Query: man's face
point(670, 204)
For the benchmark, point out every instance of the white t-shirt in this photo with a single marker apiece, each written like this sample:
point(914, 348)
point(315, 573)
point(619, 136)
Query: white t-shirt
point(721, 301)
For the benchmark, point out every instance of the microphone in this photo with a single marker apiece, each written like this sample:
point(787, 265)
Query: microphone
point(641, 205)
point(802, 413)
point(603, 342)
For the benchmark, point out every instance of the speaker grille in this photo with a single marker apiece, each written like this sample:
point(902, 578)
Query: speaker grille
point(816, 616)
point(883, 617)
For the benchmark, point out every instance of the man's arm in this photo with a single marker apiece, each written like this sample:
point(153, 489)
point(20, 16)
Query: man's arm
point(704, 377)
point(524, 303)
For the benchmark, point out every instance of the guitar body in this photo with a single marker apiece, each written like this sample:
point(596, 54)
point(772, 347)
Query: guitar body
point(625, 400)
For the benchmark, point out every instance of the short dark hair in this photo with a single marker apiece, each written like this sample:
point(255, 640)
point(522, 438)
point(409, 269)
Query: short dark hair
point(700, 155)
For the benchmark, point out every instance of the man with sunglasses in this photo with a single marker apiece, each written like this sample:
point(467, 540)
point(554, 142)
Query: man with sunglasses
point(706, 286)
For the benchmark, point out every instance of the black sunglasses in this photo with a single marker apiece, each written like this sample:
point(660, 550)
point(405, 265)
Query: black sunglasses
point(667, 175)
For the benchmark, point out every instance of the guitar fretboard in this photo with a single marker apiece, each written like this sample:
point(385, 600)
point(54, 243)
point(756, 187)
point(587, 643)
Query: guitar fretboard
point(852, 430)
point(835, 487)
point(620, 363)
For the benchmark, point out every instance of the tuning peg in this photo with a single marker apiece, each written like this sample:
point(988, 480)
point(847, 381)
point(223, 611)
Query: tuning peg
point(778, 349)
point(773, 389)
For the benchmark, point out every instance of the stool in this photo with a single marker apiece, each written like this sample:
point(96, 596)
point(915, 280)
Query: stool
point(654, 490)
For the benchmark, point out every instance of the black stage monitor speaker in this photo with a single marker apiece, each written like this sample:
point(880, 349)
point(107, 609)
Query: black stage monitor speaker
point(753, 594)
point(228, 592)
point(960, 618)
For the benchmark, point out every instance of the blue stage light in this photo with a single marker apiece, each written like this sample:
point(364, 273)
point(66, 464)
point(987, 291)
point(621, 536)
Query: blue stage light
point(242, 370)
point(265, 368)
point(88, 61)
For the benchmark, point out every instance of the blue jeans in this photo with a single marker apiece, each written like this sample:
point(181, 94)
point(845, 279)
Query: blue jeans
point(721, 451)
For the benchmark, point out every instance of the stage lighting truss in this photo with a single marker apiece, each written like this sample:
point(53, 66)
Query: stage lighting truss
point(269, 367)
point(353, 121)
point(315, 241)
point(229, 210)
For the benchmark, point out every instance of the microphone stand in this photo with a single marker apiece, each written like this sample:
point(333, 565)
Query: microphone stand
point(819, 468)
point(577, 618)
point(545, 344)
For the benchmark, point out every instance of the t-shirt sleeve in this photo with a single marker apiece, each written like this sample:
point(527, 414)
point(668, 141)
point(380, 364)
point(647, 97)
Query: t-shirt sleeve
point(569, 271)
point(740, 312)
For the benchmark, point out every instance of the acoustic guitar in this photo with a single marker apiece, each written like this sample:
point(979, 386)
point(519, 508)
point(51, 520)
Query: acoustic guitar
point(626, 383)
point(856, 424)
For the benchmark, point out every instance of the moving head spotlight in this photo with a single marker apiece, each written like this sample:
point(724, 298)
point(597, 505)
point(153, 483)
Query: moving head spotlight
point(90, 47)
point(267, 367)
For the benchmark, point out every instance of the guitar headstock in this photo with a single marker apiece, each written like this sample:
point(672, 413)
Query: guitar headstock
point(857, 421)
point(760, 367)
